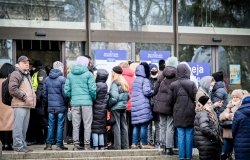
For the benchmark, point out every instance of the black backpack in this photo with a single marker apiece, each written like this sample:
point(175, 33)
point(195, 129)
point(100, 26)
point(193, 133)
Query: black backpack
point(6, 97)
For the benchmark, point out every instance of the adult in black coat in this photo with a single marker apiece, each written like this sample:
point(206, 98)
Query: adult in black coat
point(183, 93)
point(164, 106)
point(100, 109)
point(207, 138)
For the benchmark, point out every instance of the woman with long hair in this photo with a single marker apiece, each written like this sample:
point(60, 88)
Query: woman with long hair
point(118, 99)
point(6, 112)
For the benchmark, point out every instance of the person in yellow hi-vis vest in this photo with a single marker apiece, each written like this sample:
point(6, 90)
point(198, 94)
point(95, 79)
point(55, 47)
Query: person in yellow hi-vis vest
point(38, 126)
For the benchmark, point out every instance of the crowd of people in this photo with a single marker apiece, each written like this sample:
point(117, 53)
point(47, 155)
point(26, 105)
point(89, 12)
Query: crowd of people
point(144, 107)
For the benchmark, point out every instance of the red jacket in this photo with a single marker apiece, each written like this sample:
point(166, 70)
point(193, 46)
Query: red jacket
point(128, 74)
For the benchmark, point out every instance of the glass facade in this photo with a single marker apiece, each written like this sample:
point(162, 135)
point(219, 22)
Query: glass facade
point(5, 51)
point(213, 13)
point(131, 15)
point(73, 49)
point(47, 14)
point(231, 55)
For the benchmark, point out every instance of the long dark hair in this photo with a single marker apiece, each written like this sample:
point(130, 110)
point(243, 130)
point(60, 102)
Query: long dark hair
point(6, 69)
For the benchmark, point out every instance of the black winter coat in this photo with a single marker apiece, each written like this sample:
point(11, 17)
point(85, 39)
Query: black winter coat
point(219, 93)
point(183, 94)
point(100, 104)
point(163, 103)
point(206, 137)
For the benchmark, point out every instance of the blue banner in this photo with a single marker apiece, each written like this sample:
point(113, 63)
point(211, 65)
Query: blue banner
point(153, 56)
point(110, 55)
point(200, 69)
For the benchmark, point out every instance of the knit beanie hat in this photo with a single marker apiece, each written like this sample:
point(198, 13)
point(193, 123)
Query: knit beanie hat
point(218, 76)
point(81, 60)
point(117, 69)
point(37, 63)
point(151, 66)
point(58, 65)
point(238, 93)
point(203, 100)
point(172, 61)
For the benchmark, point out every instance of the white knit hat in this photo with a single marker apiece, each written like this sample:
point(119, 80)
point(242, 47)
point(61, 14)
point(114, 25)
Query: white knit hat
point(81, 60)
point(58, 65)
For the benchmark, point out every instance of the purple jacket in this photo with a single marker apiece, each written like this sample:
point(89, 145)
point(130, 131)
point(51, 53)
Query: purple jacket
point(141, 93)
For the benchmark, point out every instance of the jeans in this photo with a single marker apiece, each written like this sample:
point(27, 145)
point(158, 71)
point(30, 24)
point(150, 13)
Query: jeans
point(120, 130)
point(185, 142)
point(98, 139)
point(20, 126)
point(60, 126)
point(227, 148)
point(140, 131)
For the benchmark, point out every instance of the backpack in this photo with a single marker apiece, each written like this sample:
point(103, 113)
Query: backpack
point(6, 97)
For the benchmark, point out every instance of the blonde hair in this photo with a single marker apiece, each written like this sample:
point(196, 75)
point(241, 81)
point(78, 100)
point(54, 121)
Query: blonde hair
point(133, 66)
point(121, 80)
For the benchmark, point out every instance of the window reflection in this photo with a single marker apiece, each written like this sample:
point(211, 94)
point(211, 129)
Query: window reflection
point(5, 51)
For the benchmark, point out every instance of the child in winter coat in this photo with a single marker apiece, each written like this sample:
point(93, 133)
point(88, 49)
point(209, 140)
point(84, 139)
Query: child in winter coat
point(206, 127)
point(100, 110)
point(118, 100)
point(53, 94)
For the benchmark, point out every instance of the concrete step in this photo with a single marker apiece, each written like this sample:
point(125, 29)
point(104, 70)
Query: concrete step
point(135, 154)
point(162, 157)
point(79, 154)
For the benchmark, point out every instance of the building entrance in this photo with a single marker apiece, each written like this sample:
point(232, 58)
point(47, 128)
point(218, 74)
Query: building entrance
point(45, 51)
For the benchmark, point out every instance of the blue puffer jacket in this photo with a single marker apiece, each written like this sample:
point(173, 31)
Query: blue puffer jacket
point(141, 93)
point(53, 92)
point(241, 130)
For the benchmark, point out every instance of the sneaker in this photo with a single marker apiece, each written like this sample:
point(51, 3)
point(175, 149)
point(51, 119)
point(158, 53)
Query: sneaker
point(28, 149)
point(77, 147)
point(8, 148)
point(147, 146)
point(48, 147)
point(23, 149)
point(61, 147)
point(102, 148)
point(169, 151)
point(133, 146)
point(87, 147)
point(96, 148)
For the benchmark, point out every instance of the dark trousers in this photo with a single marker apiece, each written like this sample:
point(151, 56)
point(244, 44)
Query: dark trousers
point(130, 127)
point(6, 137)
point(120, 130)
point(38, 127)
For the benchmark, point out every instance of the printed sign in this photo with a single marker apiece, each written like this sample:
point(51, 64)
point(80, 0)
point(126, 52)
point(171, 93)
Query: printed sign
point(107, 59)
point(153, 56)
point(235, 75)
point(200, 69)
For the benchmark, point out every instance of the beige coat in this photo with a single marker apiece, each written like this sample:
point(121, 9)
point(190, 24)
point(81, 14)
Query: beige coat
point(231, 109)
point(24, 94)
point(6, 113)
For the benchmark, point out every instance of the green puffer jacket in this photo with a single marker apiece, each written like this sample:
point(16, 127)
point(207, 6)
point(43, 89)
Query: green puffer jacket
point(80, 86)
point(118, 98)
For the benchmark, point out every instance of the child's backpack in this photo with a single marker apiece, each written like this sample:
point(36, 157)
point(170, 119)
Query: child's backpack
point(6, 97)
